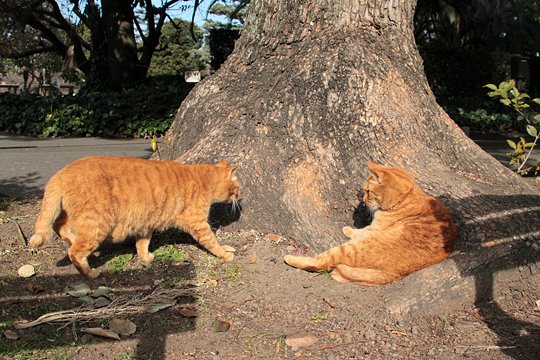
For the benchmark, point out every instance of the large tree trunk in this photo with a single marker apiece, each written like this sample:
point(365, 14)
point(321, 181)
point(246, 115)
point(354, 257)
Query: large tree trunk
point(315, 89)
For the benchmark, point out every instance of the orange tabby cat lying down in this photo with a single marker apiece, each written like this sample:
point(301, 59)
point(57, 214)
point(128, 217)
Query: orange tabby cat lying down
point(98, 198)
point(410, 230)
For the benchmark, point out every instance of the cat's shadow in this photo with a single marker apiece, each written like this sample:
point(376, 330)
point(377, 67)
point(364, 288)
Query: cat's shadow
point(361, 216)
point(221, 215)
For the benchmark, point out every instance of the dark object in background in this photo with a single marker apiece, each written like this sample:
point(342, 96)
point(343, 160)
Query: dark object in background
point(221, 43)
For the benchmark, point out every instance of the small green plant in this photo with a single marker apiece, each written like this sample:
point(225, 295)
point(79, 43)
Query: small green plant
point(509, 95)
point(320, 316)
point(169, 254)
point(119, 263)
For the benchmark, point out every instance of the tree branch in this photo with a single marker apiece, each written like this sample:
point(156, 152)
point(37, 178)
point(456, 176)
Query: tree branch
point(30, 52)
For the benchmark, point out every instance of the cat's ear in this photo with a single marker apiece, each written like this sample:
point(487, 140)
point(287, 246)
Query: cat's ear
point(222, 163)
point(232, 172)
point(373, 172)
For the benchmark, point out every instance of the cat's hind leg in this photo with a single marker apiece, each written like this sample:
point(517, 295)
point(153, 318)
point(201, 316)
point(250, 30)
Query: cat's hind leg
point(363, 276)
point(78, 254)
point(62, 226)
point(144, 255)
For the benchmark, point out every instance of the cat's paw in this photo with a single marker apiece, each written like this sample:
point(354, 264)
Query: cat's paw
point(228, 248)
point(93, 273)
point(291, 260)
point(147, 259)
point(228, 257)
point(348, 231)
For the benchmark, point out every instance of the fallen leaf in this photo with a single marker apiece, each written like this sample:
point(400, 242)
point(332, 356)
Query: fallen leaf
point(301, 339)
point(97, 331)
point(159, 307)
point(34, 289)
point(78, 290)
point(26, 271)
point(158, 281)
point(123, 327)
point(187, 312)
point(11, 335)
point(221, 326)
point(101, 291)
point(253, 258)
point(100, 302)
point(86, 299)
point(275, 237)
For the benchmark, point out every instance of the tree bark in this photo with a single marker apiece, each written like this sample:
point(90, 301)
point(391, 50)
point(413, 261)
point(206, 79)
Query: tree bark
point(313, 90)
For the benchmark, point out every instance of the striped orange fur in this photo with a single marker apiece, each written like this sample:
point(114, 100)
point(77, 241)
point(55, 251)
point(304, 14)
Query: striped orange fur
point(98, 198)
point(410, 230)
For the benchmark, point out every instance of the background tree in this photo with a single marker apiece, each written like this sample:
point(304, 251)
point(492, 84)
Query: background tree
point(177, 52)
point(111, 56)
point(315, 89)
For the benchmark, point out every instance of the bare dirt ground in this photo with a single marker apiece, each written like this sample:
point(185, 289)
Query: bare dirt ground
point(253, 308)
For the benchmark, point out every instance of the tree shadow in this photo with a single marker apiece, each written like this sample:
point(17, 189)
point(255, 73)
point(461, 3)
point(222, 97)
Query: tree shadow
point(18, 302)
point(24, 185)
point(500, 233)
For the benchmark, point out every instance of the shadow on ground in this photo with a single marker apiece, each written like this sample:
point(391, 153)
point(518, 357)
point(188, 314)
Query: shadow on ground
point(20, 185)
point(18, 302)
point(503, 236)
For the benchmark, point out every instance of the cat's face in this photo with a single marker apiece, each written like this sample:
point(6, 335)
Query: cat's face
point(385, 186)
point(229, 188)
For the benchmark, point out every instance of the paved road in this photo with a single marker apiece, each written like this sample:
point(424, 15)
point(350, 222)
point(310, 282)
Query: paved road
point(27, 163)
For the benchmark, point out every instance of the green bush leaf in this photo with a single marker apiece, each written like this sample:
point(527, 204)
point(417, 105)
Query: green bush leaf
point(511, 143)
point(491, 86)
point(531, 130)
point(506, 102)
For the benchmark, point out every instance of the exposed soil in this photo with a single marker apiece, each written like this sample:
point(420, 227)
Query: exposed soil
point(257, 297)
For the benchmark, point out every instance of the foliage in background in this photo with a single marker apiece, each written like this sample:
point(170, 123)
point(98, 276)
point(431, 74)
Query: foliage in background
point(145, 110)
point(234, 11)
point(457, 77)
point(510, 96)
point(177, 51)
point(482, 25)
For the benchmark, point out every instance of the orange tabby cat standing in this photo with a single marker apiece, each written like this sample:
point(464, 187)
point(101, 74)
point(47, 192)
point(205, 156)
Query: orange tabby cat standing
point(98, 198)
point(410, 230)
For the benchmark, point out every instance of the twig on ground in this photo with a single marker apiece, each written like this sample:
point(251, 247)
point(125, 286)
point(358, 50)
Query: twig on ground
point(22, 238)
point(122, 305)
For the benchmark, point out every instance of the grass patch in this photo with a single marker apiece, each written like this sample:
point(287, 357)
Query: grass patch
point(119, 263)
point(169, 254)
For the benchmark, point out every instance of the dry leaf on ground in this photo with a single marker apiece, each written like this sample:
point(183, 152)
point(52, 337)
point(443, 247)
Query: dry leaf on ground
point(301, 339)
point(26, 271)
point(11, 335)
point(123, 327)
point(187, 312)
point(101, 332)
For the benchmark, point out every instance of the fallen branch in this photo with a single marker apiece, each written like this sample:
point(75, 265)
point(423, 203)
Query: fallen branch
point(121, 306)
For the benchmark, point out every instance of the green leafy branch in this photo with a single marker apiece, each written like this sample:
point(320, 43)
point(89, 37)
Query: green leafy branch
point(509, 95)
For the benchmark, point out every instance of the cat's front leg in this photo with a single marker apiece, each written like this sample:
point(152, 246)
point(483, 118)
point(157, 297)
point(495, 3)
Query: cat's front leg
point(356, 234)
point(202, 232)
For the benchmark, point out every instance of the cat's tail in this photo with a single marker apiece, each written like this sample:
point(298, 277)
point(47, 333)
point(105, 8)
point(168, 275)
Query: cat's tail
point(50, 209)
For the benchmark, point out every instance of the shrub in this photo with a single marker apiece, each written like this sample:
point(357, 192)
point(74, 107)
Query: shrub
point(145, 110)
